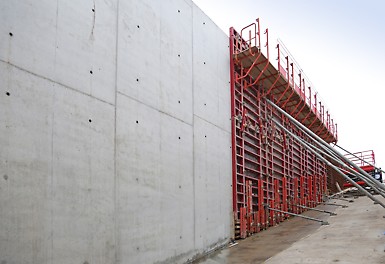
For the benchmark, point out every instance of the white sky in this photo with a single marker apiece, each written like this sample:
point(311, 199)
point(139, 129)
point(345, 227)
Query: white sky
point(339, 45)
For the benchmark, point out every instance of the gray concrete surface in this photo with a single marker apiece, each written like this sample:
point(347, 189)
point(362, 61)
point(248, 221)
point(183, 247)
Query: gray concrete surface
point(115, 132)
point(355, 235)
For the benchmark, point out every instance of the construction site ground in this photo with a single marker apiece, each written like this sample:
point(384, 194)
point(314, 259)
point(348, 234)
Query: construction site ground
point(355, 235)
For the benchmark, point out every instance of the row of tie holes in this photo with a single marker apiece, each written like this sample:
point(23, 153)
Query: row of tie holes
point(91, 72)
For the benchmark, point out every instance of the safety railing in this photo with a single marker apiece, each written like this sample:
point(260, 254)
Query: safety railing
point(304, 88)
point(249, 39)
point(360, 158)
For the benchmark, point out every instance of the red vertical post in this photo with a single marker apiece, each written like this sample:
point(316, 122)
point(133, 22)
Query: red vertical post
point(249, 207)
point(277, 199)
point(302, 191)
point(284, 195)
point(260, 205)
point(310, 189)
point(295, 200)
point(272, 213)
point(315, 190)
point(233, 121)
point(320, 184)
point(243, 221)
point(325, 187)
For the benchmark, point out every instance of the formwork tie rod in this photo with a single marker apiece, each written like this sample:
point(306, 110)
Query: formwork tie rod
point(314, 209)
point(302, 216)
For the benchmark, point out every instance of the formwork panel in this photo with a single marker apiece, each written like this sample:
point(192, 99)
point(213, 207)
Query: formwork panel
point(32, 45)
point(212, 181)
point(82, 184)
point(59, 176)
point(139, 51)
point(176, 78)
point(211, 76)
point(138, 182)
point(85, 56)
point(155, 179)
point(25, 165)
point(176, 187)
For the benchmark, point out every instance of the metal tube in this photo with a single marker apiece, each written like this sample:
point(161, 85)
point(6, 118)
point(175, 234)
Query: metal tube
point(363, 176)
point(366, 176)
point(342, 199)
point(359, 172)
point(302, 216)
point(334, 167)
point(342, 205)
point(351, 170)
point(320, 140)
point(314, 209)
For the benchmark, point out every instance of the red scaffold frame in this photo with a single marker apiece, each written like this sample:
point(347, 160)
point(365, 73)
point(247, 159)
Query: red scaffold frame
point(272, 173)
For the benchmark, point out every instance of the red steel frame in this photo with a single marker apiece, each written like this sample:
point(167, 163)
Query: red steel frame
point(270, 168)
point(361, 159)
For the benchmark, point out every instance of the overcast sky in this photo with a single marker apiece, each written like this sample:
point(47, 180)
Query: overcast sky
point(340, 45)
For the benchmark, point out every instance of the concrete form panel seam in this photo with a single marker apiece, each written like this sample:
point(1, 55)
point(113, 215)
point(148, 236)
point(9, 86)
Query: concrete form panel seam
point(50, 80)
point(220, 128)
point(52, 135)
point(154, 108)
point(116, 200)
point(193, 123)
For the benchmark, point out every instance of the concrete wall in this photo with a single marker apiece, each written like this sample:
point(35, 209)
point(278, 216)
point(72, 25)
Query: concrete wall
point(115, 132)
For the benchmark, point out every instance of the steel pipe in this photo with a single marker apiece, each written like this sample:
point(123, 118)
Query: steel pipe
point(334, 167)
point(302, 216)
point(350, 170)
point(328, 162)
point(318, 139)
point(314, 209)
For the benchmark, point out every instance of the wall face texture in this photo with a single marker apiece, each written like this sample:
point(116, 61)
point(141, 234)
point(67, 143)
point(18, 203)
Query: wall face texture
point(115, 132)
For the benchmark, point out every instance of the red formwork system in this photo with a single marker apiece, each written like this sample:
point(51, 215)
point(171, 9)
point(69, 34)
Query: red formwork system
point(270, 168)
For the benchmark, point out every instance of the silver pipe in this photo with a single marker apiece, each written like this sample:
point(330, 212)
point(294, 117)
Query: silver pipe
point(314, 209)
point(342, 205)
point(317, 138)
point(302, 216)
point(342, 199)
point(349, 170)
point(335, 168)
